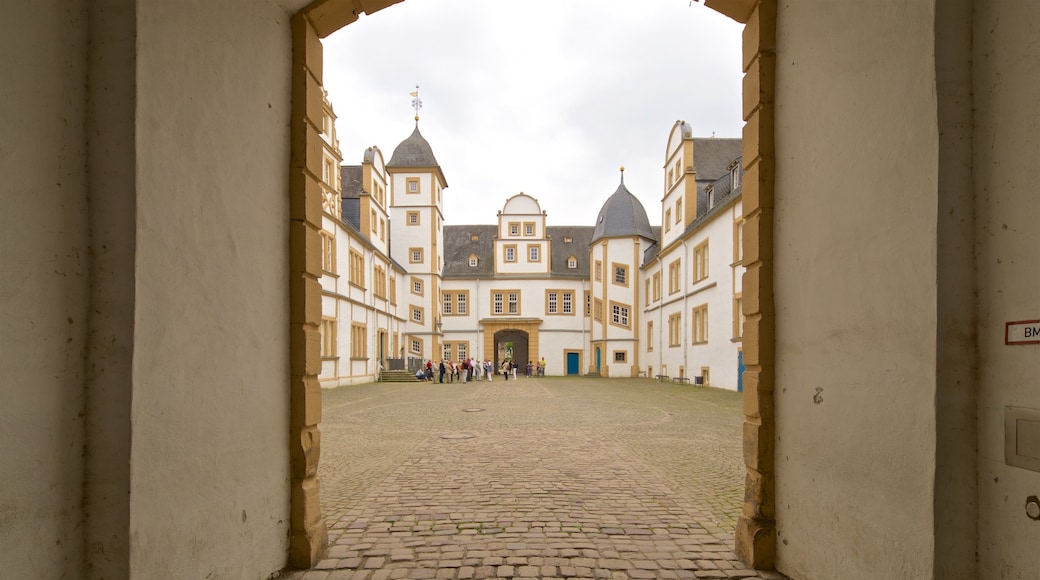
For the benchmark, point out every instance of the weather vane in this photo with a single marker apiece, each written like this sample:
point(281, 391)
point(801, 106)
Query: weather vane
point(416, 102)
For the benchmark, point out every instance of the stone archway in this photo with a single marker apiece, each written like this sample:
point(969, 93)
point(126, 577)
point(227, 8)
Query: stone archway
point(755, 534)
point(511, 344)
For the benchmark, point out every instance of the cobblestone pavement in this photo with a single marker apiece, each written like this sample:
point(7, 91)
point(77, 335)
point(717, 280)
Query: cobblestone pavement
point(534, 478)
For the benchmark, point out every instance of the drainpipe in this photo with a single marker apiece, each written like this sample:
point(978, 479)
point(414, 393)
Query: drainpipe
point(660, 322)
point(480, 329)
point(685, 298)
point(587, 348)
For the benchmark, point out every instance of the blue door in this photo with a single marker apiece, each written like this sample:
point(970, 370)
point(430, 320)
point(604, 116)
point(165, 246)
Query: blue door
point(572, 363)
point(597, 359)
point(740, 371)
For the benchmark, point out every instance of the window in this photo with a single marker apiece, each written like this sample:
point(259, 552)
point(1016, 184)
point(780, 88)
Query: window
point(674, 329)
point(671, 177)
point(700, 261)
point(620, 274)
point(599, 270)
point(678, 171)
point(417, 286)
point(650, 336)
point(327, 173)
point(673, 277)
point(382, 229)
point(572, 263)
point(455, 351)
point(412, 185)
point(528, 229)
point(413, 218)
point(588, 304)
point(619, 314)
point(710, 190)
point(738, 240)
point(510, 253)
point(328, 252)
point(657, 286)
point(734, 175)
point(700, 324)
point(379, 279)
point(393, 290)
point(416, 345)
point(417, 314)
point(358, 341)
point(415, 255)
point(646, 292)
point(473, 261)
point(514, 229)
point(357, 269)
point(505, 301)
point(678, 211)
point(567, 239)
point(534, 254)
point(375, 222)
point(597, 309)
point(706, 374)
point(559, 302)
point(455, 303)
point(668, 220)
point(328, 337)
point(738, 317)
point(620, 356)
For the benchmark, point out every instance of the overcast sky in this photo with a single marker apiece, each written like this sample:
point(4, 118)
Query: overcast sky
point(545, 97)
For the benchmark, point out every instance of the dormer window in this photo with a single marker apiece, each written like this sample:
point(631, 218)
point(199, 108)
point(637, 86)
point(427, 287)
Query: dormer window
point(567, 239)
point(711, 197)
point(473, 260)
point(735, 176)
point(572, 263)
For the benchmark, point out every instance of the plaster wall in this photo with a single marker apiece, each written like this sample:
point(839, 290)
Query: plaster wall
point(855, 289)
point(1007, 126)
point(209, 462)
point(44, 290)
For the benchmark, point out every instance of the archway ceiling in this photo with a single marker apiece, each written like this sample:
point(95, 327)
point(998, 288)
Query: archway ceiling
point(328, 16)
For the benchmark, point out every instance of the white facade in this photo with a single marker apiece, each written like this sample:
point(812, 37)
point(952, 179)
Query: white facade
point(603, 299)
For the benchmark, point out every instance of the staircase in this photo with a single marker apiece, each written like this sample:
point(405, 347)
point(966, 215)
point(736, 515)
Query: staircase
point(593, 375)
point(397, 377)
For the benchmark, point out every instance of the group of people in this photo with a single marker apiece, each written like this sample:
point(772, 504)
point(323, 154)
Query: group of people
point(475, 370)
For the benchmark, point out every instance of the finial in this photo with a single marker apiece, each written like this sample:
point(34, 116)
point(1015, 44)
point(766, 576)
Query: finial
point(416, 104)
point(622, 174)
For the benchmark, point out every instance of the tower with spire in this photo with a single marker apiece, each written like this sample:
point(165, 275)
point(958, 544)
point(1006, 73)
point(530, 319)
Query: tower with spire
point(417, 184)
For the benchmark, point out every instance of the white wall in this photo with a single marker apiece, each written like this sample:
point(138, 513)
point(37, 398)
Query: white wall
point(855, 282)
point(44, 289)
point(210, 403)
point(1006, 73)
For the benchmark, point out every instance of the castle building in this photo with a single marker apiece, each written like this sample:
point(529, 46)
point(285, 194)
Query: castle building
point(619, 298)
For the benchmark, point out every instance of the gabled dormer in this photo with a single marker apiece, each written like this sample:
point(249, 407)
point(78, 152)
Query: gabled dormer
point(522, 246)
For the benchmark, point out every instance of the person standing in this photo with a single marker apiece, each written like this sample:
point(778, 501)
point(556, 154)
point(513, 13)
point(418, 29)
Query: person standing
point(442, 369)
point(541, 367)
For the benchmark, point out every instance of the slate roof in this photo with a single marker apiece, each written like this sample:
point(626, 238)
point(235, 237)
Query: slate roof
point(712, 156)
point(350, 181)
point(459, 245)
point(414, 151)
point(622, 215)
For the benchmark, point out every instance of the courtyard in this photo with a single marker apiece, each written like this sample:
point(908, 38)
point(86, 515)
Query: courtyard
point(534, 478)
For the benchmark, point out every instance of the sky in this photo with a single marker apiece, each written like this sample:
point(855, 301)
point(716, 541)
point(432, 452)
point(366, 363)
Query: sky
point(544, 97)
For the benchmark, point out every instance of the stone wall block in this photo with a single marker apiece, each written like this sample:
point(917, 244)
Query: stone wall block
point(305, 350)
point(756, 542)
point(758, 395)
point(758, 342)
point(305, 199)
point(304, 249)
point(758, 236)
point(309, 535)
point(758, 137)
point(759, 500)
point(328, 16)
point(759, 446)
point(304, 299)
point(305, 393)
point(307, 49)
point(305, 452)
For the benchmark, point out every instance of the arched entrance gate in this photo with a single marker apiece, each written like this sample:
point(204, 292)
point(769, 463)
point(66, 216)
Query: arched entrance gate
point(511, 345)
point(755, 535)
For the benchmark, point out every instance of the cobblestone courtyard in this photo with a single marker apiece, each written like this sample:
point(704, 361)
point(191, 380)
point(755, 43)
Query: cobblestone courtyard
point(534, 478)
